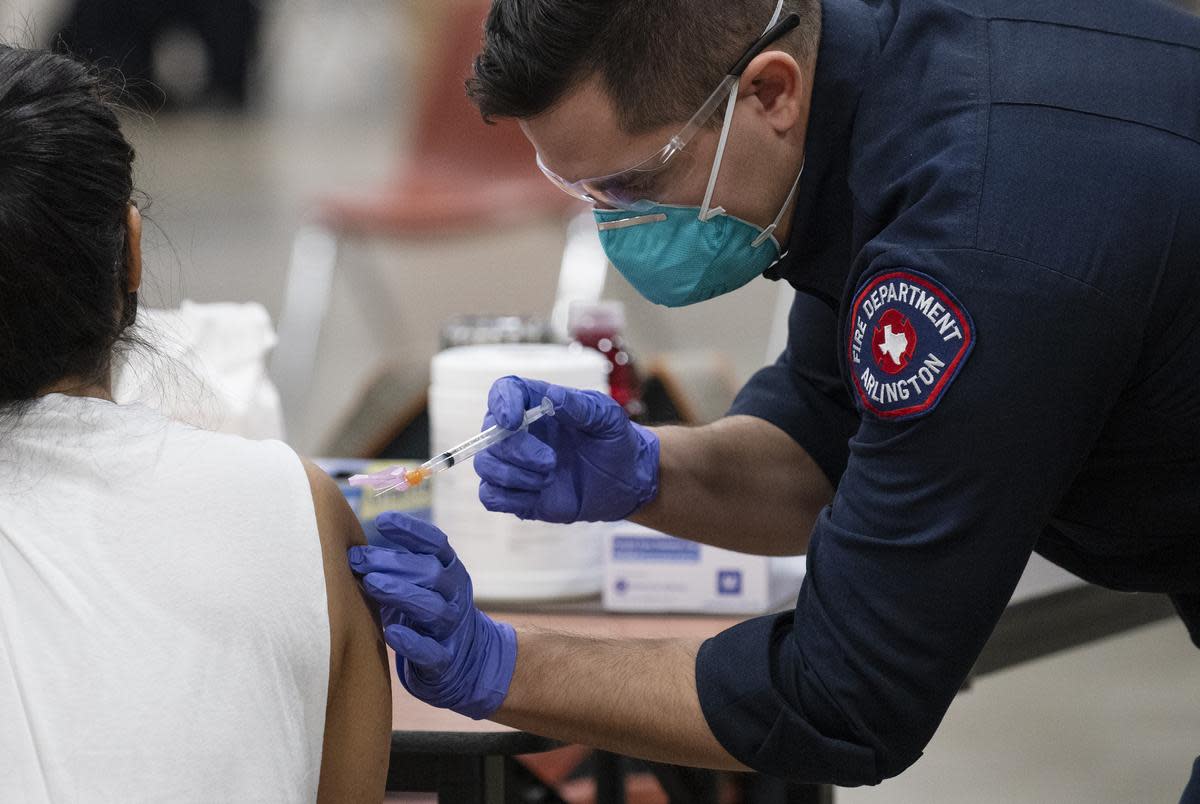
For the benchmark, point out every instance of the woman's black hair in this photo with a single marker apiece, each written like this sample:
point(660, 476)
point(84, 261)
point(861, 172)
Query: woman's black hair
point(66, 182)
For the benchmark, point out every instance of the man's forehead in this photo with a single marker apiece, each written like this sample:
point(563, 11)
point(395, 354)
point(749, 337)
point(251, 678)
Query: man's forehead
point(580, 136)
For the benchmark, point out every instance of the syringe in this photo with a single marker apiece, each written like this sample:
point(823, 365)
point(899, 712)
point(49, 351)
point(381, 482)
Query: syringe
point(400, 479)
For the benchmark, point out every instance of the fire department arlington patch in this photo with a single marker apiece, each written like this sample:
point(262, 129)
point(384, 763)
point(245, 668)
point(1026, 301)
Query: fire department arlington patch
point(909, 337)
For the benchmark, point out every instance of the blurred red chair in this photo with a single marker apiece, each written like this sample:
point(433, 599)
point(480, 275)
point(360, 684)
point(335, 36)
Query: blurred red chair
point(460, 176)
point(461, 173)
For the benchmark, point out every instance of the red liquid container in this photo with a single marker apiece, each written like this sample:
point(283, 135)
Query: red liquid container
point(599, 326)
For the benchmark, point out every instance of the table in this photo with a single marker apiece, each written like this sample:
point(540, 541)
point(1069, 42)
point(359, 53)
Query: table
point(464, 760)
point(467, 761)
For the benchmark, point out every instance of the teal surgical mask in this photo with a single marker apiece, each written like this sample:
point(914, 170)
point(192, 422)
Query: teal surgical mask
point(676, 256)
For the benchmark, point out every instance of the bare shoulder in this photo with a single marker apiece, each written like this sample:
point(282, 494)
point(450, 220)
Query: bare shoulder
point(336, 522)
point(358, 715)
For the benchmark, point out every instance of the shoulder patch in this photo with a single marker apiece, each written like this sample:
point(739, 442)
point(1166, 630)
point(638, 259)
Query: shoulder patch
point(909, 337)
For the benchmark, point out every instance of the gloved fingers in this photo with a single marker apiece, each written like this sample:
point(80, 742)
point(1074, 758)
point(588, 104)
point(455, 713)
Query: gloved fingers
point(510, 397)
point(593, 413)
point(589, 411)
point(388, 615)
point(526, 451)
point(508, 501)
point(423, 606)
point(415, 535)
point(501, 473)
point(508, 400)
point(424, 653)
point(422, 570)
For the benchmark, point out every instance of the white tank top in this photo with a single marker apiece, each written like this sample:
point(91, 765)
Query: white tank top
point(164, 632)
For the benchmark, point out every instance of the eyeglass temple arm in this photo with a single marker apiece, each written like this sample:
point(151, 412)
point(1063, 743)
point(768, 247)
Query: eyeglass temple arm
point(769, 37)
point(773, 35)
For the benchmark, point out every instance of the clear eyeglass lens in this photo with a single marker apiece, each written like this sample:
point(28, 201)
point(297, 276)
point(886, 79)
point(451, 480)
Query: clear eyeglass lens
point(633, 189)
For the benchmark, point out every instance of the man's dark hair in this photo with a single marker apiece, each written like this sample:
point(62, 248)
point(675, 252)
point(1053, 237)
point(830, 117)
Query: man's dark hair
point(66, 180)
point(658, 59)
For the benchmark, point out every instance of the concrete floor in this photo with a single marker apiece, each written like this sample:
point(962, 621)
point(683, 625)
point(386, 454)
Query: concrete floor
point(1115, 722)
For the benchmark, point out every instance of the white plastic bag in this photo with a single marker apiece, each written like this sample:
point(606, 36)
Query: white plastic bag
point(206, 366)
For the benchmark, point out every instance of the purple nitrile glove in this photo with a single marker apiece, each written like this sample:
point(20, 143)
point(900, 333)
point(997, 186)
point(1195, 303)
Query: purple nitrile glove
point(451, 654)
point(587, 463)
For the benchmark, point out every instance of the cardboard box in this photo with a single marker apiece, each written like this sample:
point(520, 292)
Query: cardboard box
point(648, 571)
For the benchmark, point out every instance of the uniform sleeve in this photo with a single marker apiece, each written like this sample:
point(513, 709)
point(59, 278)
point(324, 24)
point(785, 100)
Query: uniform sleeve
point(802, 393)
point(932, 524)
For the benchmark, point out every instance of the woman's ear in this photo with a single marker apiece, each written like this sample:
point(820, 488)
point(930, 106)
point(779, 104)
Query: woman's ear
point(133, 266)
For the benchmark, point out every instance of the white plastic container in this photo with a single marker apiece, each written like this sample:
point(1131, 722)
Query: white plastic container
point(509, 559)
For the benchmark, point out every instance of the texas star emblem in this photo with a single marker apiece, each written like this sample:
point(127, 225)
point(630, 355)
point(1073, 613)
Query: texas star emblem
point(909, 337)
point(896, 340)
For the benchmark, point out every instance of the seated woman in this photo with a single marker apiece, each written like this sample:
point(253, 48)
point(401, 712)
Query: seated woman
point(177, 619)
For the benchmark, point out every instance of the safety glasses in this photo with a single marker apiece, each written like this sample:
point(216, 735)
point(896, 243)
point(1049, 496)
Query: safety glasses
point(635, 189)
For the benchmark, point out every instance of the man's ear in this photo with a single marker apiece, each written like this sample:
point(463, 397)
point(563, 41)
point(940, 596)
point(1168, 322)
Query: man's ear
point(133, 265)
point(776, 81)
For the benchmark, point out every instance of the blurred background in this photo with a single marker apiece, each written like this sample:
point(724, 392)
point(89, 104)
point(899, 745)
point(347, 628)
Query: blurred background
point(317, 157)
point(322, 155)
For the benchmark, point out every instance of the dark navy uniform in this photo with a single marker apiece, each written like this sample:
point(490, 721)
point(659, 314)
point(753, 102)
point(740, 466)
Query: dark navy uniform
point(995, 349)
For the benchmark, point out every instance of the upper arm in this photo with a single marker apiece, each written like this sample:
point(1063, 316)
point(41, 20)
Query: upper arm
point(802, 393)
point(359, 712)
point(930, 529)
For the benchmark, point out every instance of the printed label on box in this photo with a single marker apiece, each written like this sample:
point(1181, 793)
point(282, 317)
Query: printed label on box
point(729, 582)
point(654, 548)
point(649, 571)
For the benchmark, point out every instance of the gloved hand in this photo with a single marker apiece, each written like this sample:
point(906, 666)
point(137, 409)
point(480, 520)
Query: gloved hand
point(587, 463)
point(451, 654)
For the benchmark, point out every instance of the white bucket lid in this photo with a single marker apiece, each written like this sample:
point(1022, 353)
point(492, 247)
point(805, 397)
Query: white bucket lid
point(473, 369)
point(509, 558)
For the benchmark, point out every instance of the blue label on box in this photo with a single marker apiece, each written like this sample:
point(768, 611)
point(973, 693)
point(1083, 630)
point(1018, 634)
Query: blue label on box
point(654, 548)
point(729, 582)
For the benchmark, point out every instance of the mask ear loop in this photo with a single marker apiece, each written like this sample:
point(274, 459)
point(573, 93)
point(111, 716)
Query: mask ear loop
point(706, 213)
point(787, 202)
point(775, 17)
